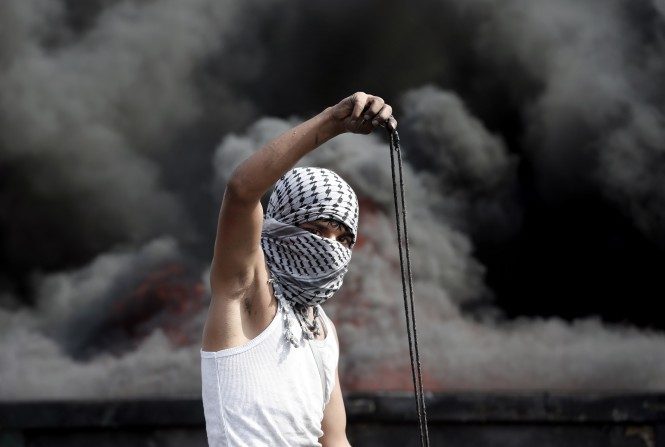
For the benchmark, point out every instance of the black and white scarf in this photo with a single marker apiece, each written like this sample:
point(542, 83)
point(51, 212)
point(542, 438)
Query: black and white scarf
point(307, 269)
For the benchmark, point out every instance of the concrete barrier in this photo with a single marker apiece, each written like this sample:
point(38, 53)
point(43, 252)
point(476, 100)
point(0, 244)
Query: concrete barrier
point(456, 420)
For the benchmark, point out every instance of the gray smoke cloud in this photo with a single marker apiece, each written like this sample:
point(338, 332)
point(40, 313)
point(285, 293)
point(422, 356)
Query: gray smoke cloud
point(88, 119)
point(457, 156)
point(467, 158)
point(458, 352)
point(597, 120)
point(105, 128)
point(70, 307)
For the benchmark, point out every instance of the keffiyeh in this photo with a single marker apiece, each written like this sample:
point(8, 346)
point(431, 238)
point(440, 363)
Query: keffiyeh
point(307, 269)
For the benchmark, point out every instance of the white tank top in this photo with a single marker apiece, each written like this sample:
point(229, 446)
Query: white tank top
point(268, 392)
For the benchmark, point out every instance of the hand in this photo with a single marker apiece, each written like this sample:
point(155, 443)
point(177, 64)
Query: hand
point(362, 113)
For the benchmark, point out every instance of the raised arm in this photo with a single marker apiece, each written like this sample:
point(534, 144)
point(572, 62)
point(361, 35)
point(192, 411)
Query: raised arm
point(237, 245)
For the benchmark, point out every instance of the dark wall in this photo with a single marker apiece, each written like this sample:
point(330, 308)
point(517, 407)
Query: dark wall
point(458, 420)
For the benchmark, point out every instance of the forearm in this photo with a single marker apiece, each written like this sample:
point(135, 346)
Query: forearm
point(341, 441)
point(254, 176)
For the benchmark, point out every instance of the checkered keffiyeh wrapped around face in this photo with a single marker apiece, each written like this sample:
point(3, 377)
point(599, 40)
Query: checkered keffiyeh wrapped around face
point(308, 268)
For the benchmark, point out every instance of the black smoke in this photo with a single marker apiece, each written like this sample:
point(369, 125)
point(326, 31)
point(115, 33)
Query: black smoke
point(536, 128)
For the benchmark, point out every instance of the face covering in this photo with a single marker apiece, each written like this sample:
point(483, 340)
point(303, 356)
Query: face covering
point(307, 269)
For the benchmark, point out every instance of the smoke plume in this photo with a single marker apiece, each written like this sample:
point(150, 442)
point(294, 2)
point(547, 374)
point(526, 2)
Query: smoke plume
point(532, 132)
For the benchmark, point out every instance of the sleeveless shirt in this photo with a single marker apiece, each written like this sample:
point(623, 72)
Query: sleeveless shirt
point(268, 392)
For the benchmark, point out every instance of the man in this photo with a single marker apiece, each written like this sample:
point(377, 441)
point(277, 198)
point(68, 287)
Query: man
point(269, 353)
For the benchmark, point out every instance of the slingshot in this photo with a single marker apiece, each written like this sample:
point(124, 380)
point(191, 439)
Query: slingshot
point(409, 310)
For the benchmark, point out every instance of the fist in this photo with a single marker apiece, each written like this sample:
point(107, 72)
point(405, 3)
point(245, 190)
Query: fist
point(362, 113)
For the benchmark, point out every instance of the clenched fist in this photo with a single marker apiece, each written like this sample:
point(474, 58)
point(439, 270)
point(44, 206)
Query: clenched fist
point(362, 113)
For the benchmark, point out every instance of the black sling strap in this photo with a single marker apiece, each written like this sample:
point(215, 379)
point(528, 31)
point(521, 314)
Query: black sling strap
point(409, 310)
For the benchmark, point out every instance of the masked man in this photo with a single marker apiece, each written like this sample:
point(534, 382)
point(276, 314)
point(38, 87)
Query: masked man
point(269, 353)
